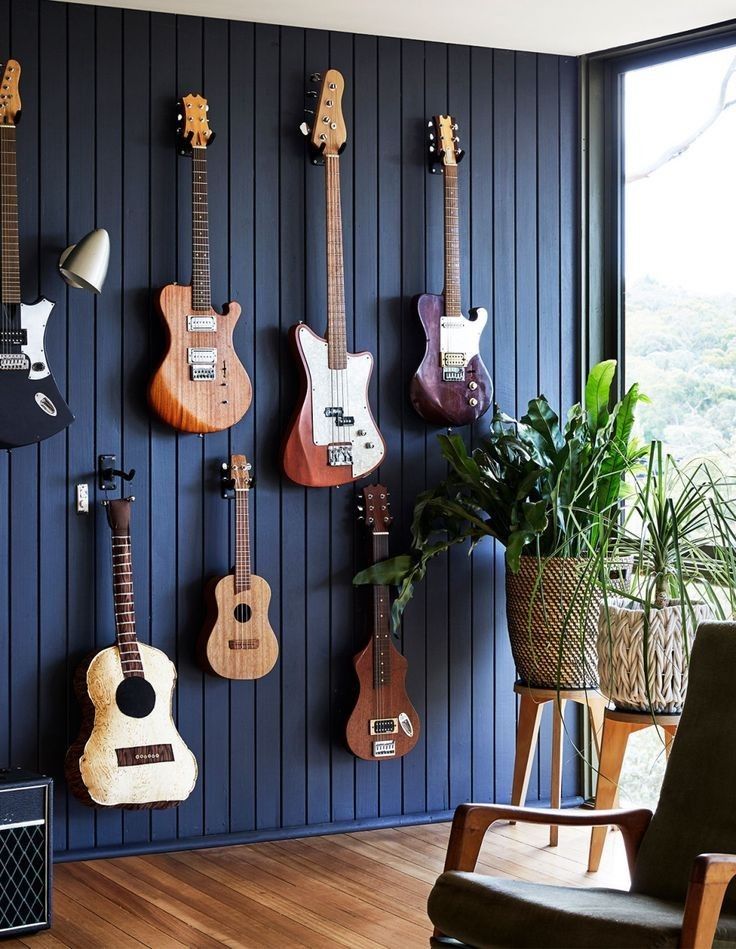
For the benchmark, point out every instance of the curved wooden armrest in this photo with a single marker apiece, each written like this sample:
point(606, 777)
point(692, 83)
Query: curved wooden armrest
point(471, 821)
point(709, 879)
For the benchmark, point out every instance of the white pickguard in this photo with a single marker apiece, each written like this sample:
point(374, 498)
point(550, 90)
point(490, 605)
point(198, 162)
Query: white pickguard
point(461, 335)
point(33, 319)
point(346, 389)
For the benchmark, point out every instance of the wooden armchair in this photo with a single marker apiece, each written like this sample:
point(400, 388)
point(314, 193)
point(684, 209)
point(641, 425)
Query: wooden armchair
point(678, 895)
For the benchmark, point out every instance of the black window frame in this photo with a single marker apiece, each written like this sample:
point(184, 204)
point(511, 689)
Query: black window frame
point(602, 181)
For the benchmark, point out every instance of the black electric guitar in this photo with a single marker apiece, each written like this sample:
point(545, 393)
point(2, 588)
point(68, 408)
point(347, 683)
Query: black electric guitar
point(31, 406)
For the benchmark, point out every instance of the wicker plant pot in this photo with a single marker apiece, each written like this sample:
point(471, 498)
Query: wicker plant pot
point(552, 649)
point(660, 684)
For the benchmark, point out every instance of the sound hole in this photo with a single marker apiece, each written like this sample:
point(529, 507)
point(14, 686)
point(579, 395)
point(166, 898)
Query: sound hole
point(242, 612)
point(135, 697)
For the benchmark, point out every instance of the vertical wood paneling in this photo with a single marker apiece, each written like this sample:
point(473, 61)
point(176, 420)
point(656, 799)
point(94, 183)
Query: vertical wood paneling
point(96, 148)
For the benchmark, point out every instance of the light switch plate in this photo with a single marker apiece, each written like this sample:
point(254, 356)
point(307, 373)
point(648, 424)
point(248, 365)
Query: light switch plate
point(82, 499)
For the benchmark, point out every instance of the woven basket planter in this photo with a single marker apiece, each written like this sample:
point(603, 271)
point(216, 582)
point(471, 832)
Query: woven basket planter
point(552, 649)
point(660, 684)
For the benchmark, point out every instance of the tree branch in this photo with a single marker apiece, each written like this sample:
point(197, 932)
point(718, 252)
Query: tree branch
point(721, 105)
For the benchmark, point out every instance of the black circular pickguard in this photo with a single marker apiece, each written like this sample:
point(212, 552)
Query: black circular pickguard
point(242, 612)
point(135, 697)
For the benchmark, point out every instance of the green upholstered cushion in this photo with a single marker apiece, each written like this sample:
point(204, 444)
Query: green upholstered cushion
point(697, 806)
point(489, 913)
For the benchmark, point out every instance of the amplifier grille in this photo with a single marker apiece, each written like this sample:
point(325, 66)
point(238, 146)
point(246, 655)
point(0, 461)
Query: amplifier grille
point(22, 876)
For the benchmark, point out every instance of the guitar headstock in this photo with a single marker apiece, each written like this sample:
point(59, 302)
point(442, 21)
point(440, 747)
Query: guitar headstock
point(118, 514)
point(373, 508)
point(10, 94)
point(193, 126)
point(443, 142)
point(329, 134)
point(240, 472)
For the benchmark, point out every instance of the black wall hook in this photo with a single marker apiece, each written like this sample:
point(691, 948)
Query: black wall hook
point(107, 472)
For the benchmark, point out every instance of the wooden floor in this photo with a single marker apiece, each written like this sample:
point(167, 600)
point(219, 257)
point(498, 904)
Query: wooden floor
point(362, 890)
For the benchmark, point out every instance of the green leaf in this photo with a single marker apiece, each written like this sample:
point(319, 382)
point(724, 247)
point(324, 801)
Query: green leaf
point(598, 393)
point(389, 572)
point(544, 427)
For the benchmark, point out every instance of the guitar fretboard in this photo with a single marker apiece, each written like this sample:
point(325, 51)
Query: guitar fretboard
point(381, 620)
point(336, 332)
point(122, 591)
point(452, 244)
point(242, 541)
point(201, 293)
point(9, 216)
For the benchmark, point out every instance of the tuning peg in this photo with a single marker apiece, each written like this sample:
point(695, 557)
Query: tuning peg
point(454, 127)
point(430, 124)
point(305, 129)
point(312, 93)
point(315, 77)
point(431, 148)
point(431, 136)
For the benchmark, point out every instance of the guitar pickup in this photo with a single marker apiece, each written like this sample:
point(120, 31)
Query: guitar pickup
point(384, 726)
point(202, 324)
point(336, 412)
point(384, 749)
point(339, 454)
point(13, 337)
point(201, 355)
point(14, 361)
point(453, 359)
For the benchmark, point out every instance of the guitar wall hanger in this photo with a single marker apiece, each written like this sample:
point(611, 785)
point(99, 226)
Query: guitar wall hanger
point(107, 472)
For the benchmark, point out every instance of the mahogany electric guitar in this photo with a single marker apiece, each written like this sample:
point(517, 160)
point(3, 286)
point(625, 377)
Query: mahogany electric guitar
point(31, 406)
point(237, 641)
point(384, 723)
point(128, 752)
point(332, 438)
point(201, 385)
point(452, 385)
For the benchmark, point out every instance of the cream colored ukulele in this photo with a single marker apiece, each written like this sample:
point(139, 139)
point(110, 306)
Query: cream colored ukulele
point(128, 753)
point(237, 641)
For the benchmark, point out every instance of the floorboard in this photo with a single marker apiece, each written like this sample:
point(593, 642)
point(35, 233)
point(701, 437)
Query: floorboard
point(317, 892)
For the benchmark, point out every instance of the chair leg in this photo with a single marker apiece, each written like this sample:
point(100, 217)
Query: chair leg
point(530, 716)
point(597, 708)
point(558, 715)
point(613, 748)
point(669, 736)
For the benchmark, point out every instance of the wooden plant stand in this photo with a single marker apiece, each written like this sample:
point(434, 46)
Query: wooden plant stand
point(531, 706)
point(617, 727)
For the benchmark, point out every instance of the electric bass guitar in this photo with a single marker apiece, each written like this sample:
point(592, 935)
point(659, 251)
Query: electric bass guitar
point(237, 641)
point(201, 385)
point(128, 752)
point(332, 438)
point(31, 406)
point(452, 385)
point(384, 723)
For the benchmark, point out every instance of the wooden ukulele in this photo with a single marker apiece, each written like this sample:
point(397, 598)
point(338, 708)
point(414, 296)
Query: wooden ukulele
point(201, 385)
point(452, 385)
point(128, 752)
point(332, 437)
point(384, 723)
point(237, 641)
point(31, 406)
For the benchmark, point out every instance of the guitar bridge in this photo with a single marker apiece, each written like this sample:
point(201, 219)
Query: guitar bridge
point(384, 726)
point(14, 361)
point(340, 454)
point(202, 361)
point(243, 643)
point(384, 749)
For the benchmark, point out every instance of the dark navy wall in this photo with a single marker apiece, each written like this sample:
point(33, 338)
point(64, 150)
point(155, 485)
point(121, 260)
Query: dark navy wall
point(95, 148)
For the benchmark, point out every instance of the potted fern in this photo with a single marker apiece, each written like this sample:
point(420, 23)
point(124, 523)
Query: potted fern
point(546, 491)
point(677, 534)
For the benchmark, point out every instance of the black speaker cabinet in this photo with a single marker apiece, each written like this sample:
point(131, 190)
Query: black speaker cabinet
point(25, 852)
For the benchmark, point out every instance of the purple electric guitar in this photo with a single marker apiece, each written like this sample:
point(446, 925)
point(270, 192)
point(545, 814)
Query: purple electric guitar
point(452, 385)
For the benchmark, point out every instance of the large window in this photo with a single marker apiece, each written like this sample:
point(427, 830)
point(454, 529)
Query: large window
point(679, 251)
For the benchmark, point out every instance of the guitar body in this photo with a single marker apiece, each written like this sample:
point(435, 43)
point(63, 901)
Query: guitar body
point(237, 641)
point(327, 395)
point(450, 402)
point(198, 405)
point(388, 702)
point(128, 759)
point(31, 406)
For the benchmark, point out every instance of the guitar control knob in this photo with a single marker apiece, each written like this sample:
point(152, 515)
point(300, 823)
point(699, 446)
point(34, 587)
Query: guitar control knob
point(361, 432)
point(472, 401)
point(38, 366)
point(472, 385)
point(369, 445)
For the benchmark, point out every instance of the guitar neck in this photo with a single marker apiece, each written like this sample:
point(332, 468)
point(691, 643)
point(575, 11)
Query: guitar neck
point(452, 244)
point(336, 331)
point(381, 619)
point(201, 293)
point(122, 587)
point(242, 541)
point(10, 270)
